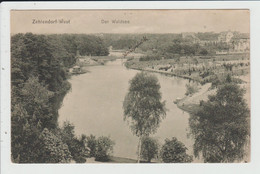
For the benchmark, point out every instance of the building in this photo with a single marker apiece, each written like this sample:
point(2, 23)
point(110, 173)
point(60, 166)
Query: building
point(241, 43)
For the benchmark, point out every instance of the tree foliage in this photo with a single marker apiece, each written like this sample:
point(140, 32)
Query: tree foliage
point(39, 65)
point(221, 128)
point(142, 105)
point(204, 52)
point(92, 145)
point(104, 148)
point(77, 146)
point(29, 116)
point(149, 148)
point(52, 149)
point(221, 79)
point(143, 108)
point(174, 151)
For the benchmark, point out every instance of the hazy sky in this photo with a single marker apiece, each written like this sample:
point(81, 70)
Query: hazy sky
point(140, 21)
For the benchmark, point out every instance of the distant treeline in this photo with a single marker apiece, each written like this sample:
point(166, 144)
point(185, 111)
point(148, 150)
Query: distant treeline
point(156, 41)
point(126, 41)
point(39, 65)
point(169, 46)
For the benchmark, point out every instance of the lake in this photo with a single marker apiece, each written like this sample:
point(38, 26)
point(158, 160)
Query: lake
point(94, 106)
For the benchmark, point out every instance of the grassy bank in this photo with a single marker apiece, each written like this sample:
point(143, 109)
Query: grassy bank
point(196, 68)
point(191, 103)
point(190, 108)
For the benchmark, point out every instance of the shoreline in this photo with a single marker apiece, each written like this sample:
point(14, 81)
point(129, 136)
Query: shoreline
point(191, 103)
point(164, 73)
point(189, 108)
point(184, 103)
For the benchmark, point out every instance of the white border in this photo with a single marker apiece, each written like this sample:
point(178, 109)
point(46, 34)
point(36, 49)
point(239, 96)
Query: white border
point(8, 168)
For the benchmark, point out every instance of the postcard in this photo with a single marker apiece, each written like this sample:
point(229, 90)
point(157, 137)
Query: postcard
point(139, 86)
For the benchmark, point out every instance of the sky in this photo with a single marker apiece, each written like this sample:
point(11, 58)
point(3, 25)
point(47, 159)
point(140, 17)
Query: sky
point(136, 21)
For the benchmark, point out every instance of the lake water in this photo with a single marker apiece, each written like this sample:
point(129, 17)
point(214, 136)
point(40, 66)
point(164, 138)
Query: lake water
point(94, 106)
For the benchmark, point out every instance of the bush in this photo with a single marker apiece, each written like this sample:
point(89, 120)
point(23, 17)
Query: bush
point(52, 149)
point(191, 88)
point(92, 145)
point(219, 80)
point(77, 147)
point(149, 148)
point(150, 57)
point(79, 150)
point(104, 148)
point(204, 52)
point(174, 151)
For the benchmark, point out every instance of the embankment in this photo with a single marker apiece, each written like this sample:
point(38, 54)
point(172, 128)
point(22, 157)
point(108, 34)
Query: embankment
point(191, 103)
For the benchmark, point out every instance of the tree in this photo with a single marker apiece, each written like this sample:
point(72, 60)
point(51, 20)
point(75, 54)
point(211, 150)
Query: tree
point(104, 148)
point(228, 79)
point(189, 49)
point(204, 52)
point(52, 149)
point(221, 127)
point(174, 151)
point(24, 137)
point(92, 145)
point(142, 105)
point(30, 114)
point(77, 147)
point(149, 148)
point(35, 98)
point(32, 56)
point(39, 65)
point(80, 150)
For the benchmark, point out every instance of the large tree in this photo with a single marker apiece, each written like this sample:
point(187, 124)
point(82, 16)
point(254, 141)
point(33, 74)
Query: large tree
point(52, 149)
point(29, 116)
point(221, 127)
point(143, 108)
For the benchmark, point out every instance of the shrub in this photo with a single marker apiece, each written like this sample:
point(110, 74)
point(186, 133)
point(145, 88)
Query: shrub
point(79, 150)
point(77, 146)
point(92, 145)
point(149, 148)
point(174, 151)
point(191, 88)
point(203, 52)
point(150, 57)
point(52, 149)
point(219, 80)
point(104, 148)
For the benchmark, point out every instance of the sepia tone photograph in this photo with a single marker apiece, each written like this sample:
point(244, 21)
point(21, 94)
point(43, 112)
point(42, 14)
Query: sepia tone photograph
point(130, 86)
